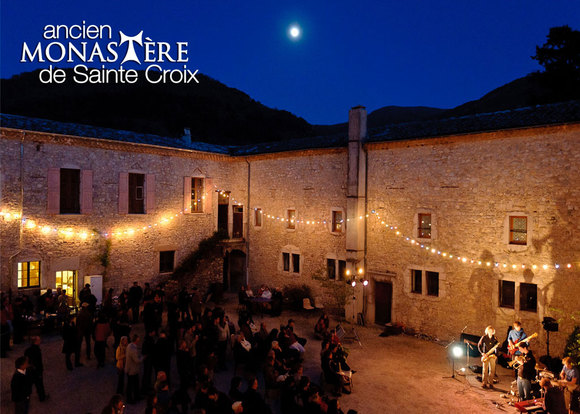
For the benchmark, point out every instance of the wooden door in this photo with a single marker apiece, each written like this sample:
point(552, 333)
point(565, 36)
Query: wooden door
point(383, 302)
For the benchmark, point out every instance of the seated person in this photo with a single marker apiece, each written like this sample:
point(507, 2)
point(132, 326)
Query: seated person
point(554, 402)
point(321, 327)
point(266, 293)
point(249, 292)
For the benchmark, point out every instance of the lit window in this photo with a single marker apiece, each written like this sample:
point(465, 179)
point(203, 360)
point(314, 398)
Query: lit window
point(28, 274)
point(166, 261)
point(197, 194)
point(336, 221)
point(424, 229)
point(291, 216)
point(518, 230)
point(507, 294)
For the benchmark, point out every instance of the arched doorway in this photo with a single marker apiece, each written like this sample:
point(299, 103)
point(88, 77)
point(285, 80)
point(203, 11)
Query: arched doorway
point(234, 270)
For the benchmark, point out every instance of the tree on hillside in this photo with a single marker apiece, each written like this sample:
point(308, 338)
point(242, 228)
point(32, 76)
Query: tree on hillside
point(561, 53)
point(560, 57)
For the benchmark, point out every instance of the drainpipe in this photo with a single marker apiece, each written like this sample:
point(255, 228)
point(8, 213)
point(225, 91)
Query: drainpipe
point(248, 226)
point(365, 154)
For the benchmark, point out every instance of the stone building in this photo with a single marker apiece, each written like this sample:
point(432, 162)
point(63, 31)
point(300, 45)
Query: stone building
point(458, 222)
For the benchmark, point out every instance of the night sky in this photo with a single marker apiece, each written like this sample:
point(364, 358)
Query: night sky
point(373, 53)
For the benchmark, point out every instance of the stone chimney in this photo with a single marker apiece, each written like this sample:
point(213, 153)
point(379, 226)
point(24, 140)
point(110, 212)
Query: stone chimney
point(186, 135)
point(357, 123)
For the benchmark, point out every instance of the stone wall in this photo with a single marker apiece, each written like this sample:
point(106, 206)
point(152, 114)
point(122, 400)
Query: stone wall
point(132, 257)
point(312, 183)
point(471, 185)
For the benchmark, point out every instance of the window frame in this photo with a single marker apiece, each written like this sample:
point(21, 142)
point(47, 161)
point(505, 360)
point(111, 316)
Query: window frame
point(195, 197)
point(161, 261)
point(337, 226)
point(414, 275)
point(67, 192)
point(501, 302)
point(296, 262)
point(331, 263)
point(421, 231)
point(523, 300)
point(512, 241)
point(291, 221)
point(258, 217)
point(19, 274)
point(133, 187)
point(429, 283)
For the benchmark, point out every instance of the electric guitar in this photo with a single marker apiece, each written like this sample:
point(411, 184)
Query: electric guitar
point(513, 348)
point(485, 357)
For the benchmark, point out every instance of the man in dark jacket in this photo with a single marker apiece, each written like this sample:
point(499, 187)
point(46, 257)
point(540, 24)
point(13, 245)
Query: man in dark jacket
point(36, 368)
point(21, 387)
point(135, 296)
point(85, 327)
point(526, 372)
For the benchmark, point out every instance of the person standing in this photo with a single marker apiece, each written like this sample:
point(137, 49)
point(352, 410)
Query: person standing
point(121, 358)
point(135, 296)
point(570, 377)
point(102, 332)
point(526, 371)
point(132, 368)
point(70, 343)
point(85, 328)
point(21, 386)
point(486, 344)
point(34, 355)
point(515, 336)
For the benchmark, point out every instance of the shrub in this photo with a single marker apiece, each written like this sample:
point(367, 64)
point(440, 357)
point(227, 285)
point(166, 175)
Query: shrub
point(294, 294)
point(572, 348)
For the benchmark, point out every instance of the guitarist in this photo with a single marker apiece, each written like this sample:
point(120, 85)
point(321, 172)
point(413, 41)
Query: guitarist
point(485, 345)
point(516, 335)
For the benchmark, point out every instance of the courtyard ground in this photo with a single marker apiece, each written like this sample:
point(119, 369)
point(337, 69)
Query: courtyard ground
point(396, 374)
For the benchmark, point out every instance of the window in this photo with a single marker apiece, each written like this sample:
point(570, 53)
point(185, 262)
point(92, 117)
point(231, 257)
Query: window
point(341, 269)
point(286, 260)
point(291, 216)
point(258, 217)
point(518, 230)
point(197, 194)
point(67, 280)
point(507, 294)
point(336, 221)
point(295, 263)
point(166, 261)
point(528, 297)
point(28, 274)
point(70, 191)
point(424, 228)
point(136, 193)
point(433, 283)
point(331, 269)
point(416, 281)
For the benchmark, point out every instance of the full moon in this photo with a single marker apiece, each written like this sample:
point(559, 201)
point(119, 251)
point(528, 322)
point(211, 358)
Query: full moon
point(294, 32)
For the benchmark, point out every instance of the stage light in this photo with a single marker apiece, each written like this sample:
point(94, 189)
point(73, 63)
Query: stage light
point(457, 351)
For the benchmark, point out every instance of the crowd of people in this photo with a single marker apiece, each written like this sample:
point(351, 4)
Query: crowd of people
point(198, 339)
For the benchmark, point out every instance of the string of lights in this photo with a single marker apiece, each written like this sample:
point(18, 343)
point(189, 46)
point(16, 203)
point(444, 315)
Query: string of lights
point(83, 234)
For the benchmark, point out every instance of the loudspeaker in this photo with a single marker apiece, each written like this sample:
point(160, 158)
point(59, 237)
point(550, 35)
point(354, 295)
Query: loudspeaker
point(550, 324)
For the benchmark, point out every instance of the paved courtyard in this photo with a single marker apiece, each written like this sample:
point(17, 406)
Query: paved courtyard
point(398, 374)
